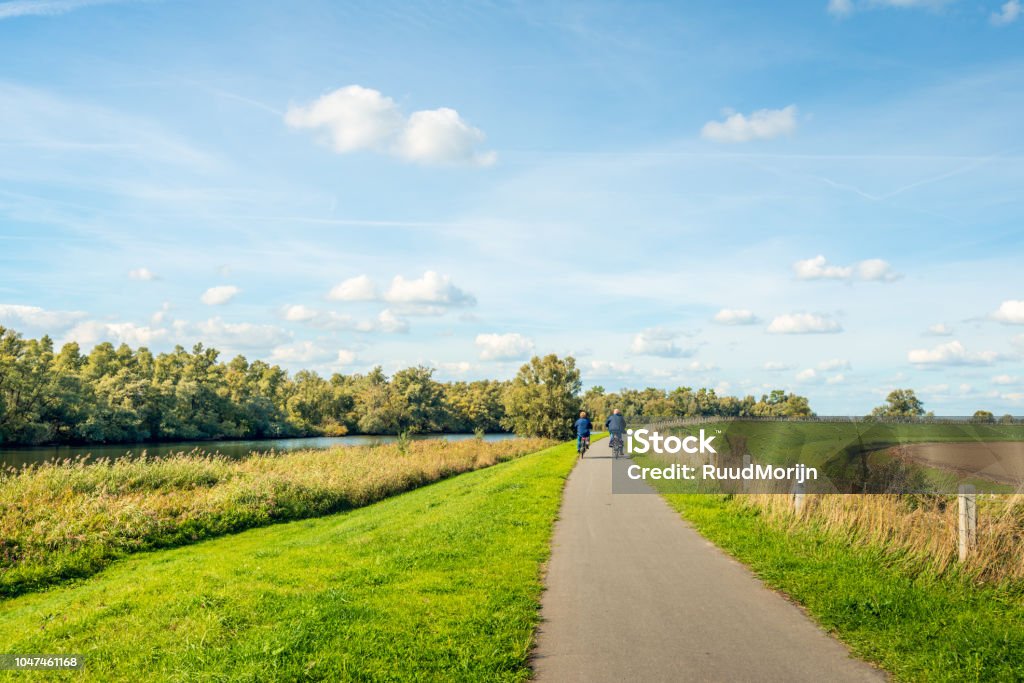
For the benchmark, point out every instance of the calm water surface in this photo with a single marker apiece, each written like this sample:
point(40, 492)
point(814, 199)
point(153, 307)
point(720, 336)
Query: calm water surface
point(235, 449)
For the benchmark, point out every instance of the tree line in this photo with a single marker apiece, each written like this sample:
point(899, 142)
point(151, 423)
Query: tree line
point(122, 395)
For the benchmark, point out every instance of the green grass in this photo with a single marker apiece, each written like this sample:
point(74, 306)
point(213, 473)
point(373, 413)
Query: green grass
point(441, 583)
point(917, 626)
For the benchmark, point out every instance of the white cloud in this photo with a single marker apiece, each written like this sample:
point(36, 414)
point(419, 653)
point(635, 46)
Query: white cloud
point(389, 322)
point(216, 296)
point(735, 316)
point(355, 118)
point(697, 366)
point(951, 353)
point(876, 270)
point(763, 124)
point(510, 346)
point(45, 8)
point(1008, 13)
point(36, 317)
point(345, 357)
point(870, 270)
point(299, 313)
point(608, 368)
point(142, 274)
point(1010, 312)
point(836, 379)
point(834, 364)
point(776, 366)
point(803, 323)
point(1005, 379)
point(162, 314)
point(808, 375)
point(440, 136)
point(352, 118)
point(359, 288)
point(300, 352)
point(432, 288)
point(455, 368)
point(840, 8)
point(216, 332)
point(657, 341)
point(92, 332)
point(939, 330)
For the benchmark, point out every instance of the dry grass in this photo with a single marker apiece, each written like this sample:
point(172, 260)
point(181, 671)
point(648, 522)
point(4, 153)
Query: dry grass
point(917, 531)
point(69, 519)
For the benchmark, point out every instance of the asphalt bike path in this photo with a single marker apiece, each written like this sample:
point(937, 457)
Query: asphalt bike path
point(634, 593)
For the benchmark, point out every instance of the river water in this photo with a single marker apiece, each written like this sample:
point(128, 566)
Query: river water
point(18, 457)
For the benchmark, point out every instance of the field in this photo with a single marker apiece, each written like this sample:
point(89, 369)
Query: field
point(440, 583)
point(69, 520)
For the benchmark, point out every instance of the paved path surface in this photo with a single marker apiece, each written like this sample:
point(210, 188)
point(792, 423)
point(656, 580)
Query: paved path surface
point(636, 594)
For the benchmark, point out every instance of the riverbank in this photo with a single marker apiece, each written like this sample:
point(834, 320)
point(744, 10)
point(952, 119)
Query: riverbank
point(441, 583)
point(69, 520)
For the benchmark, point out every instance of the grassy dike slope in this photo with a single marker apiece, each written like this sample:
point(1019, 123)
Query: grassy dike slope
point(439, 583)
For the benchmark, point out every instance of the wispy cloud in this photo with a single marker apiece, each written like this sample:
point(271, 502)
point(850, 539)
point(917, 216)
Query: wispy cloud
point(1008, 13)
point(46, 8)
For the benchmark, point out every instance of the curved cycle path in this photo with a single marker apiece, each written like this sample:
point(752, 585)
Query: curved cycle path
point(634, 593)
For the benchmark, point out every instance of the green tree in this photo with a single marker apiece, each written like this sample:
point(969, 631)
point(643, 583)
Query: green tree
point(900, 403)
point(543, 399)
point(984, 416)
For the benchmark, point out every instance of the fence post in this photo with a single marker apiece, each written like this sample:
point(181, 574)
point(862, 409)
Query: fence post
point(967, 535)
point(799, 488)
point(746, 482)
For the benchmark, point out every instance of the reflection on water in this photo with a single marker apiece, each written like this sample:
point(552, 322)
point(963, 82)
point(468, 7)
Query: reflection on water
point(235, 449)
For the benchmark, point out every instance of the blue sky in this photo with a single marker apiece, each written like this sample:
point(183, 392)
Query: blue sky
point(817, 196)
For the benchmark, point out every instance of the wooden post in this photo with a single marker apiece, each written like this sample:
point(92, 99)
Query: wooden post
point(799, 488)
point(746, 482)
point(968, 526)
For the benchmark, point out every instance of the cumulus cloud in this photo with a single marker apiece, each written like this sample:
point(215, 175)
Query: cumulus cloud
point(697, 366)
point(776, 366)
point(431, 294)
point(836, 379)
point(870, 270)
point(510, 346)
point(1010, 312)
point(803, 323)
point(951, 353)
point(91, 332)
point(1005, 379)
point(299, 313)
point(15, 315)
point(359, 288)
point(657, 341)
point(735, 316)
point(216, 332)
point(355, 118)
point(300, 352)
point(1008, 13)
point(142, 274)
point(763, 124)
point(609, 369)
point(834, 364)
point(431, 289)
point(808, 375)
point(441, 136)
point(216, 296)
point(939, 330)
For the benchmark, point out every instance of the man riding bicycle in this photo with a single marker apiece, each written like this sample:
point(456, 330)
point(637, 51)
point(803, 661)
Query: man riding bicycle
point(583, 426)
point(616, 425)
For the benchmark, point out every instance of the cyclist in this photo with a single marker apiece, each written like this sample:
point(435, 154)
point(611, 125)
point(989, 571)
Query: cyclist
point(583, 426)
point(616, 425)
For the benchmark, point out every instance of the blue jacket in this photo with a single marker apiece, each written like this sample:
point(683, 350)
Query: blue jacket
point(616, 424)
point(583, 426)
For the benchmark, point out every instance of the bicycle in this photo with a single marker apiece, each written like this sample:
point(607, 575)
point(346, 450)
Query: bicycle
point(584, 445)
point(618, 447)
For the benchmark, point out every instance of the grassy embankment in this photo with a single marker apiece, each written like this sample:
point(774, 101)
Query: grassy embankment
point(441, 583)
point(881, 570)
point(69, 520)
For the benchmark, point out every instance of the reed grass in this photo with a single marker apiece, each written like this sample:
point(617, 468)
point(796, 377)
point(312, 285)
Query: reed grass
point(69, 519)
